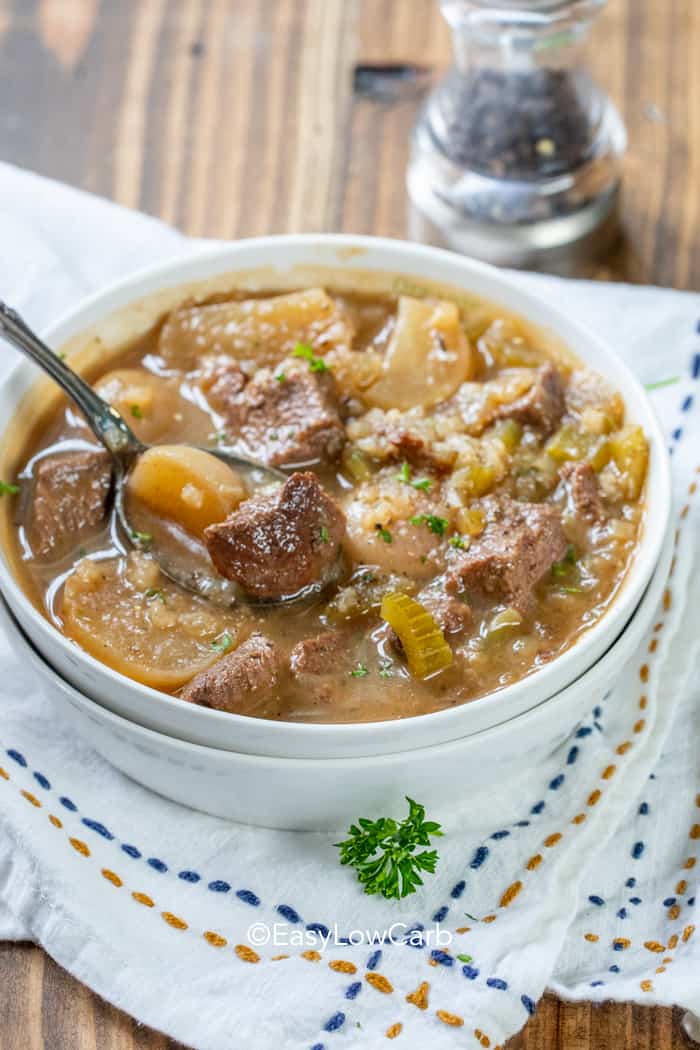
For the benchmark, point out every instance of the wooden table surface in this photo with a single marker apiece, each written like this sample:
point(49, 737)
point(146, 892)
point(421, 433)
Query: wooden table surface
point(232, 118)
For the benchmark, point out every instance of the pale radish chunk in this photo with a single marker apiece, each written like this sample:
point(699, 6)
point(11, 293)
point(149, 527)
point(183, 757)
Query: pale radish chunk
point(427, 359)
point(126, 614)
point(185, 485)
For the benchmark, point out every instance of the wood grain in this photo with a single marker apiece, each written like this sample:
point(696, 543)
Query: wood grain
point(232, 118)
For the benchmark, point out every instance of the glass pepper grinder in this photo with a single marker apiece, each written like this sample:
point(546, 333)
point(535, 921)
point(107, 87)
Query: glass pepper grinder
point(515, 157)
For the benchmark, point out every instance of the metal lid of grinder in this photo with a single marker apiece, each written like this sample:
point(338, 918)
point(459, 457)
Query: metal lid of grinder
point(516, 155)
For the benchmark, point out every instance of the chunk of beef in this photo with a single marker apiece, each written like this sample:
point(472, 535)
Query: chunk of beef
point(450, 613)
point(286, 416)
point(69, 498)
point(240, 681)
point(581, 486)
point(318, 655)
point(275, 545)
point(542, 406)
point(519, 543)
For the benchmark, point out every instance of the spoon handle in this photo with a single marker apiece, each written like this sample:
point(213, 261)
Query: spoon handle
point(105, 422)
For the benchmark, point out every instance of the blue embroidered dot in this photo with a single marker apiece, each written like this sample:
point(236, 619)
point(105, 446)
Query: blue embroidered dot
point(318, 1046)
point(68, 804)
point(652, 776)
point(669, 902)
point(95, 825)
point(157, 865)
point(596, 984)
point(479, 857)
point(598, 726)
point(597, 712)
point(695, 367)
point(188, 876)
point(529, 1005)
point(440, 913)
point(131, 851)
point(288, 913)
point(374, 959)
point(318, 927)
point(538, 807)
point(677, 434)
point(523, 824)
point(17, 756)
point(248, 897)
point(631, 882)
point(691, 902)
point(470, 972)
point(614, 968)
point(622, 913)
point(583, 731)
point(496, 982)
point(498, 835)
point(555, 784)
point(594, 899)
point(643, 809)
point(458, 890)
point(687, 404)
point(617, 947)
point(572, 756)
point(637, 850)
point(353, 990)
point(42, 781)
point(635, 900)
point(219, 886)
point(335, 1022)
point(441, 957)
point(413, 937)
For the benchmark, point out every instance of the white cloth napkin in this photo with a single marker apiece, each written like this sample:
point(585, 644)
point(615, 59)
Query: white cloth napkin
point(588, 862)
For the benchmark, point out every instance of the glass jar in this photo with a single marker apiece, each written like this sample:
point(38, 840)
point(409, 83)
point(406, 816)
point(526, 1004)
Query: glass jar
point(515, 157)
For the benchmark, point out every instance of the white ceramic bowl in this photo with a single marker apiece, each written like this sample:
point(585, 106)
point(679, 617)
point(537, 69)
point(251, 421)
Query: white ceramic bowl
point(329, 793)
point(104, 321)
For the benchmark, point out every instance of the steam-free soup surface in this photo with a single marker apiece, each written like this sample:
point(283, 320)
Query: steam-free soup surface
point(461, 502)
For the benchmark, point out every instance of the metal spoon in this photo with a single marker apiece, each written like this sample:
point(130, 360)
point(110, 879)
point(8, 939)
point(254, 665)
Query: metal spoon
point(124, 447)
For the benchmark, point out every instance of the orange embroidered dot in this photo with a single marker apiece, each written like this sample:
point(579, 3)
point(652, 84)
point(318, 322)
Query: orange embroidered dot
point(56, 821)
point(687, 933)
point(454, 1020)
point(342, 966)
point(215, 939)
point(697, 801)
point(482, 1037)
point(173, 920)
point(311, 955)
point(672, 941)
point(609, 772)
point(143, 898)
point(246, 954)
point(646, 986)
point(622, 942)
point(80, 847)
point(653, 645)
point(534, 862)
point(695, 831)
point(31, 798)
point(667, 600)
point(552, 840)
point(644, 672)
point(463, 929)
point(419, 998)
point(623, 748)
point(112, 877)
point(594, 797)
point(579, 818)
point(592, 937)
point(511, 893)
point(378, 981)
point(674, 911)
point(654, 946)
point(660, 969)
point(690, 863)
point(643, 703)
point(489, 918)
point(639, 726)
point(394, 1030)
point(4, 774)
point(681, 886)
point(278, 958)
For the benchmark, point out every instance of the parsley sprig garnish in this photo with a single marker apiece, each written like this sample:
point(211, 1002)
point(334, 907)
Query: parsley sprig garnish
point(6, 489)
point(422, 484)
point(383, 852)
point(223, 643)
point(316, 364)
point(434, 523)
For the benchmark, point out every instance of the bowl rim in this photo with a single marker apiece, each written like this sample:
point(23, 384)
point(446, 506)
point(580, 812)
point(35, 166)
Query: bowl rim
point(222, 258)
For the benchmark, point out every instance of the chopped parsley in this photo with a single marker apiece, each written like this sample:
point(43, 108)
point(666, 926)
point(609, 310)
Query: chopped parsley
point(423, 484)
point(280, 377)
point(571, 590)
point(434, 523)
point(662, 383)
point(7, 489)
point(359, 672)
point(385, 671)
point(156, 592)
point(567, 563)
point(404, 474)
point(384, 533)
point(458, 542)
point(324, 534)
point(61, 355)
point(136, 412)
point(141, 537)
point(220, 436)
point(223, 643)
point(316, 364)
